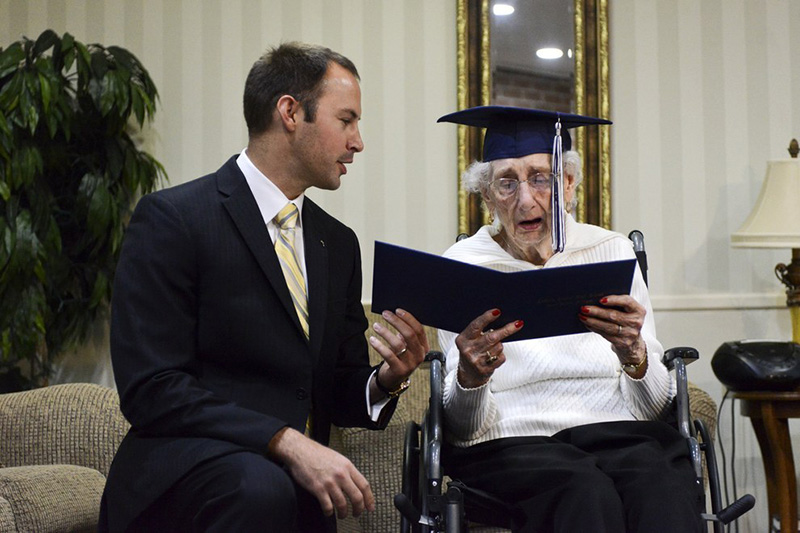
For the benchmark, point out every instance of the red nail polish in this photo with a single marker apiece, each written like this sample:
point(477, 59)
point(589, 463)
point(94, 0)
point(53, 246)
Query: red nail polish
point(496, 312)
point(604, 301)
point(585, 310)
point(583, 318)
point(518, 324)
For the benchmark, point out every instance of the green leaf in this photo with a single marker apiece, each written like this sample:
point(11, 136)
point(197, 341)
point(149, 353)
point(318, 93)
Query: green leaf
point(39, 322)
point(99, 215)
point(5, 191)
point(5, 245)
point(67, 42)
point(108, 94)
point(10, 92)
point(100, 291)
point(99, 63)
point(44, 85)
point(115, 158)
point(10, 58)
point(125, 59)
point(138, 104)
point(5, 130)
point(83, 65)
point(47, 39)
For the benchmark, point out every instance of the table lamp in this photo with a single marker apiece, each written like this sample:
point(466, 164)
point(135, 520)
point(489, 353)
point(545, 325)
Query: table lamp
point(775, 223)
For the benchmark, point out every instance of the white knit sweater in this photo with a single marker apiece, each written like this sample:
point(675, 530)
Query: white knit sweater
point(551, 384)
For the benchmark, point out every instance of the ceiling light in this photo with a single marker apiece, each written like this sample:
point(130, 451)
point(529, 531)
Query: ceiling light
point(549, 53)
point(502, 9)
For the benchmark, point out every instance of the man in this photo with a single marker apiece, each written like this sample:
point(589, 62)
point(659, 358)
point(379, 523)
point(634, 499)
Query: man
point(233, 336)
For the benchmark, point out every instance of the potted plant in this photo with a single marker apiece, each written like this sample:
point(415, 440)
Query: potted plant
point(70, 173)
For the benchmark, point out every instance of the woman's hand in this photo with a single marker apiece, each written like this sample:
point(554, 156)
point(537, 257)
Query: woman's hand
point(619, 319)
point(481, 352)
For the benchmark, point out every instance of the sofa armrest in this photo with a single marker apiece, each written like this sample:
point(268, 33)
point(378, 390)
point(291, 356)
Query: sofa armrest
point(6, 517)
point(703, 407)
point(75, 423)
point(52, 498)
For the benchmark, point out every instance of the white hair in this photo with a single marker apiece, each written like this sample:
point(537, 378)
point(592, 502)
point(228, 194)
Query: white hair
point(478, 175)
point(574, 167)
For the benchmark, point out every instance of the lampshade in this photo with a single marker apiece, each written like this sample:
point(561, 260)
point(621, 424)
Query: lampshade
point(775, 219)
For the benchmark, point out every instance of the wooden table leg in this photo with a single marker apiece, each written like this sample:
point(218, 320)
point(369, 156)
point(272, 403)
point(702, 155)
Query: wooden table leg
point(776, 450)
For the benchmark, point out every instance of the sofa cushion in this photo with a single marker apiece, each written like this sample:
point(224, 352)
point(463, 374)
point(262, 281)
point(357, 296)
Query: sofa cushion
point(52, 498)
point(6, 517)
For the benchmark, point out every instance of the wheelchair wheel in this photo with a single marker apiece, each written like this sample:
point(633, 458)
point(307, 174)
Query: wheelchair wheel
point(411, 467)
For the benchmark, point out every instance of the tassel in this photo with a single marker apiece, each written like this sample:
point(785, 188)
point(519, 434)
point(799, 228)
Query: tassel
point(558, 227)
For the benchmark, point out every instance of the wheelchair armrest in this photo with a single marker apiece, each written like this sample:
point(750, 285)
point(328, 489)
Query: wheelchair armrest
point(678, 363)
point(686, 353)
point(433, 354)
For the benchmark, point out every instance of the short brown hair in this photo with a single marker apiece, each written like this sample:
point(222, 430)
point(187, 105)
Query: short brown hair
point(296, 69)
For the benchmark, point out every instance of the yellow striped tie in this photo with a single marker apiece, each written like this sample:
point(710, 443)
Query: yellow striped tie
point(286, 220)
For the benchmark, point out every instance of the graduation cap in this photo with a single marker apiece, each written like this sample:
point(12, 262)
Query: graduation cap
point(518, 131)
point(513, 132)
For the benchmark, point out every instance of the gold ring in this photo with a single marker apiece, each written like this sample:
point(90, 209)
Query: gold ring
point(401, 352)
point(490, 358)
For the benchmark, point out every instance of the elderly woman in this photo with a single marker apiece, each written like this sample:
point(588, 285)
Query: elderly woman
point(565, 428)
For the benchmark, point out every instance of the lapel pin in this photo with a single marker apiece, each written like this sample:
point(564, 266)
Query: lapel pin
point(322, 243)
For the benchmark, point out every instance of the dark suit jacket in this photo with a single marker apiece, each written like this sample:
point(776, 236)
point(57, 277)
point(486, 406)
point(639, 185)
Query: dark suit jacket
point(209, 356)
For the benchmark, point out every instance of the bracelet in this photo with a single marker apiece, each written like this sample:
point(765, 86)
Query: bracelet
point(390, 393)
point(631, 368)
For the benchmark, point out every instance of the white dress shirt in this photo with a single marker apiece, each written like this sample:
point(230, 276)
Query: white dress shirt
point(270, 200)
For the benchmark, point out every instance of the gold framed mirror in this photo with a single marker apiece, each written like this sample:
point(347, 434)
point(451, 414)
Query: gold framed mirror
point(591, 97)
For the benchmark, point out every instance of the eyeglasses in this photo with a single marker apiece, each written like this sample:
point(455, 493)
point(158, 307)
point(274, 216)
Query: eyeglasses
point(508, 187)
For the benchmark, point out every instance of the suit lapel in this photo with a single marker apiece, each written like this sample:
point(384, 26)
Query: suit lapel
point(242, 208)
point(316, 255)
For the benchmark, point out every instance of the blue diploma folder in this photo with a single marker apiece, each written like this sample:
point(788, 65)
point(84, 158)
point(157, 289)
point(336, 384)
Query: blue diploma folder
point(448, 294)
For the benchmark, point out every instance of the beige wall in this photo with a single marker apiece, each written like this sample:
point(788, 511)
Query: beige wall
point(703, 95)
point(401, 189)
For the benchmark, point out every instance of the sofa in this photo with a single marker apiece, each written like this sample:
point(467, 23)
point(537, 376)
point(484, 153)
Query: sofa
point(57, 443)
point(56, 446)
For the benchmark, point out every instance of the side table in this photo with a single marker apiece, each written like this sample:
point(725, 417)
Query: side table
point(769, 413)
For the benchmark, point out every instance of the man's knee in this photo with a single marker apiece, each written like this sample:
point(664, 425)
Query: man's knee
point(253, 484)
point(237, 492)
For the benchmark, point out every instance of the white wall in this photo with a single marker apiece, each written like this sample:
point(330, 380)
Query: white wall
point(703, 95)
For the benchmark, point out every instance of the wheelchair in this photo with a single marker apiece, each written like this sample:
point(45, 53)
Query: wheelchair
point(427, 506)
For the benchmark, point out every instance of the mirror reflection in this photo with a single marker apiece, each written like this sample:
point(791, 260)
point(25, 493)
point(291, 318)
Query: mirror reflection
point(532, 54)
point(497, 64)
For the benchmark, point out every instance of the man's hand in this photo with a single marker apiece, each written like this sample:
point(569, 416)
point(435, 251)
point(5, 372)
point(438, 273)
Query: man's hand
point(323, 472)
point(402, 351)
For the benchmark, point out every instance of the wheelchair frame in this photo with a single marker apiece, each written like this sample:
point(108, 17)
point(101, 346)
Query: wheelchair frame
point(427, 507)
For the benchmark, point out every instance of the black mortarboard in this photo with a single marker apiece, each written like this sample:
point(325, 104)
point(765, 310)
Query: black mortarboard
point(517, 131)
